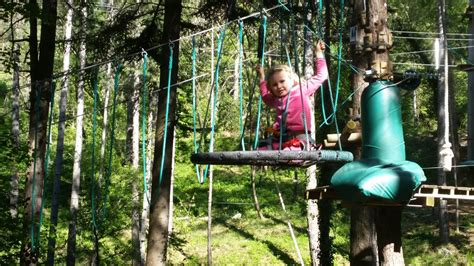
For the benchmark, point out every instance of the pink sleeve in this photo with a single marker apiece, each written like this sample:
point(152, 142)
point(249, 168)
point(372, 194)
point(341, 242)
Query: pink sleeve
point(267, 96)
point(313, 83)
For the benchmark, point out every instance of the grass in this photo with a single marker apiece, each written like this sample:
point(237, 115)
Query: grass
point(240, 237)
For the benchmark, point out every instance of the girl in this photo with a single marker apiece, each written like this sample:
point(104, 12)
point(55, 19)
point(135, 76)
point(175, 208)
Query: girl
point(280, 90)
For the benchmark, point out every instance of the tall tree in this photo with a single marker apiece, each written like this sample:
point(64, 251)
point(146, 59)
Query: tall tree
point(76, 173)
point(61, 130)
point(159, 206)
point(470, 84)
point(133, 137)
point(15, 25)
point(312, 211)
point(146, 195)
point(363, 249)
point(41, 69)
point(445, 154)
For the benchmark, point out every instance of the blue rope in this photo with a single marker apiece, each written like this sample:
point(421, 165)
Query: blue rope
point(216, 94)
point(196, 146)
point(262, 62)
point(144, 123)
point(165, 133)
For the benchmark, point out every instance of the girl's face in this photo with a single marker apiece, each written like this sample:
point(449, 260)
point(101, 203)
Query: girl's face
point(280, 83)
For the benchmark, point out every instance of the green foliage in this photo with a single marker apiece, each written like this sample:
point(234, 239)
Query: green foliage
point(126, 29)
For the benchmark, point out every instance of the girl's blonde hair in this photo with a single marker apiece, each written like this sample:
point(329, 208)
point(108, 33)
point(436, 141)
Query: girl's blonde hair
point(279, 68)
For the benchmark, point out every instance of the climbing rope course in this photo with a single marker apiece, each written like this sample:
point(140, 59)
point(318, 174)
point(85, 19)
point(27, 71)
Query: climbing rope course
point(287, 49)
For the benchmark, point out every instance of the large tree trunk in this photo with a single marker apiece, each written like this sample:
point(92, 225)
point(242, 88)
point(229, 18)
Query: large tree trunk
point(470, 84)
point(41, 67)
point(375, 232)
point(60, 142)
point(15, 54)
point(146, 195)
point(133, 138)
point(442, 126)
point(363, 249)
point(325, 207)
point(105, 122)
point(159, 207)
point(76, 172)
point(312, 211)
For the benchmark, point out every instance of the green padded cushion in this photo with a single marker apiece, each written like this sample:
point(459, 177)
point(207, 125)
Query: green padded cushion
point(374, 178)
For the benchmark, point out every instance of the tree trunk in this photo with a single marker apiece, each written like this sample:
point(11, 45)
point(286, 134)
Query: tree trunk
point(325, 207)
point(76, 172)
point(312, 211)
point(108, 87)
point(60, 142)
point(15, 54)
point(363, 249)
point(133, 130)
point(146, 196)
point(442, 126)
point(389, 238)
point(41, 67)
point(162, 165)
point(470, 84)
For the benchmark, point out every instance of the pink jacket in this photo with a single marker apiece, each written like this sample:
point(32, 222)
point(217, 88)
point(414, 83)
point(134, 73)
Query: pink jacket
point(294, 120)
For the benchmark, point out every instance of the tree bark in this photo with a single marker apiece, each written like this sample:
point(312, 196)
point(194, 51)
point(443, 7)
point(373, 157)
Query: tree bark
point(60, 141)
point(470, 84)
point(41, 69)
point(443, 213)
point(76, 172)
point(312, 211)
point(15, 54)
point(133, 131)
point(159, 207)
point(144, 221)
point(363, 249)
point(105, 122)
point(389, 238)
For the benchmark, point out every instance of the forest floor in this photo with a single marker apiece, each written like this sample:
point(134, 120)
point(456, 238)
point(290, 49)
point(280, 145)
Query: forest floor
point(240, 237)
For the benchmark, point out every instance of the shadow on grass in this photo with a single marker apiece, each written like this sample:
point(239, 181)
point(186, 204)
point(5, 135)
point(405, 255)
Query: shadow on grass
point(284, 257)
point(280, 221)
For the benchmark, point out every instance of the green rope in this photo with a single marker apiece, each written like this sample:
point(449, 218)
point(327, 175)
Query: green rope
point(241, 56)
point(216, 93)
point(170, 68)
point(262, 62)
point(339, 53)
point(35, 157)
point(338, 80)
point(47, 156)
point(305, 126)
point(196, 146)
point(144, 122)
point(112, 139)
point(283, 5)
